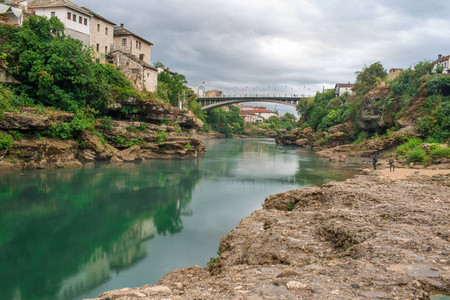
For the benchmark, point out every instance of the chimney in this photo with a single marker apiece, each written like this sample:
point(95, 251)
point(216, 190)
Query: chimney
point(121, 25)
point(439, 56)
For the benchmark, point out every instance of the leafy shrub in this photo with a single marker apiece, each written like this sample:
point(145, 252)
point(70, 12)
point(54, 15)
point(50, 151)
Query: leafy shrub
point(362, 136)
point(187, 146)
point(322, 141)
point(439, 152)
point(164, 122)
point(129, 109)
point(16, 135)
point(6, 97)
point(211, 263)
point(161, 137)
point(106, 123)
point(6, 141)
point(408, 145)
point(128, 143)
point(69, 130)
point(142, 127)
point(417, 154)
point(138, 129)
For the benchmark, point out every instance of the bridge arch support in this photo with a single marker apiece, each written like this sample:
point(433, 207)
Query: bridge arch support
point(208, 104)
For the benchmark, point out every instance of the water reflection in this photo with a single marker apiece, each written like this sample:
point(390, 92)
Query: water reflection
point(63, 233)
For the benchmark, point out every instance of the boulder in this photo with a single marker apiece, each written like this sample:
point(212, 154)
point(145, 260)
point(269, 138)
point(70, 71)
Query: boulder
point(44, 154)
point(93, 149)
point(29, 120)
point(130, 154)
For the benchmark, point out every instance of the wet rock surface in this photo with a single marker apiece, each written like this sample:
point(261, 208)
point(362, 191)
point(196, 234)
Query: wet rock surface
point(125, 141)
point(369, 237)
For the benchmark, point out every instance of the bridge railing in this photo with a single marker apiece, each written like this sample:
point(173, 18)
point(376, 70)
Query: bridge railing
point(254, 96)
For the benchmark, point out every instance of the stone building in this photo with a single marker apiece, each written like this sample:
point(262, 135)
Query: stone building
point(143, 76)
point(214, 93)
point(128, 42)
point(342, 88)
point(394, 72)
point(76, 20)
point(101, 36)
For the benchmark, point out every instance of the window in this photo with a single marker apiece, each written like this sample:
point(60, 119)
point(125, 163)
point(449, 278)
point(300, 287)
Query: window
point(106, 30)
point(69, 16)
point(134, 71)
point(98, 27)
point(53, 14)
point(124, 42)
point(80, 20)
point(85, 21)
point(106, 49)
point(98, 47)
point(141, 56)
point(137, 45)
point(74, 17)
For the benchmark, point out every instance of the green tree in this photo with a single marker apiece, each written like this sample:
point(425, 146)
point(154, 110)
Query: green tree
point(158, 64)
point(369, 77)
point(57, 70)
point(170, 86)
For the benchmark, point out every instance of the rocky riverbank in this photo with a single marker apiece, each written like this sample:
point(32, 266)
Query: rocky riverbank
point(370, 237)
point(140, 130)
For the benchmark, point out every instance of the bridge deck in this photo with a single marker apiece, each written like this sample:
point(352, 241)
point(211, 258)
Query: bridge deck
point(215, 102)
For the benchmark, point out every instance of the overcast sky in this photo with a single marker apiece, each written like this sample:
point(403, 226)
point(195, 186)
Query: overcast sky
point(293, 46)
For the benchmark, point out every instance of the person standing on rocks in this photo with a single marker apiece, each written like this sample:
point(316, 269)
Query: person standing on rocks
point(391, 164)
point(374, 160)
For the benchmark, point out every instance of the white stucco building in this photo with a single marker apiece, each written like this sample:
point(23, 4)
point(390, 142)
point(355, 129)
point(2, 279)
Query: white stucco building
point(444, 62)
point(76, 20)
point(342, 88)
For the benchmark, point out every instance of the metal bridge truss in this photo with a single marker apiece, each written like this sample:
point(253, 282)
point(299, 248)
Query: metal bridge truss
point(215, 102)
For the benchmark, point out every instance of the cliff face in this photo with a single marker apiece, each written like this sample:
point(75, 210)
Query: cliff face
point(366, 238)
point(121, 141)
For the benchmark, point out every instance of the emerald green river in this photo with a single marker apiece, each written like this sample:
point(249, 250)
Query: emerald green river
point(73, 234)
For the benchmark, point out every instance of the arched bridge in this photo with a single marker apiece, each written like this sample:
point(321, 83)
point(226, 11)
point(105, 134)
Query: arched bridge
point(209, 103)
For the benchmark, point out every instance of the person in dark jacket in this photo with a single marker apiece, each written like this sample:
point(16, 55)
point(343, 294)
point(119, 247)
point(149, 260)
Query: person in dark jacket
point(374, 160)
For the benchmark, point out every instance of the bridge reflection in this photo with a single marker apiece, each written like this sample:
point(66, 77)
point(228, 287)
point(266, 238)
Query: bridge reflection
point(209, 103)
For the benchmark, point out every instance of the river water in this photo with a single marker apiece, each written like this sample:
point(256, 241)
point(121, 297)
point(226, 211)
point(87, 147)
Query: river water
point(73, 234)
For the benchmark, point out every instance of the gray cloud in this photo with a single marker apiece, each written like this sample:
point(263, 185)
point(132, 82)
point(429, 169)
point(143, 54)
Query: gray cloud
point(274, 44)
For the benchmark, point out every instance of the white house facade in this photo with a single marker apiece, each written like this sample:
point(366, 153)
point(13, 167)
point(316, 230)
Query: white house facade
point(443, 62)
point(342, 88)
point(76, 20)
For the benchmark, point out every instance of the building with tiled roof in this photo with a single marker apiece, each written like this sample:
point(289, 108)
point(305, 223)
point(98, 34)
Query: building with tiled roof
point(143, 76)
point(442, 62)
point(76, 20)
point(129, 42)
point(342, 88)
point(101, 35)
point(261, 113)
